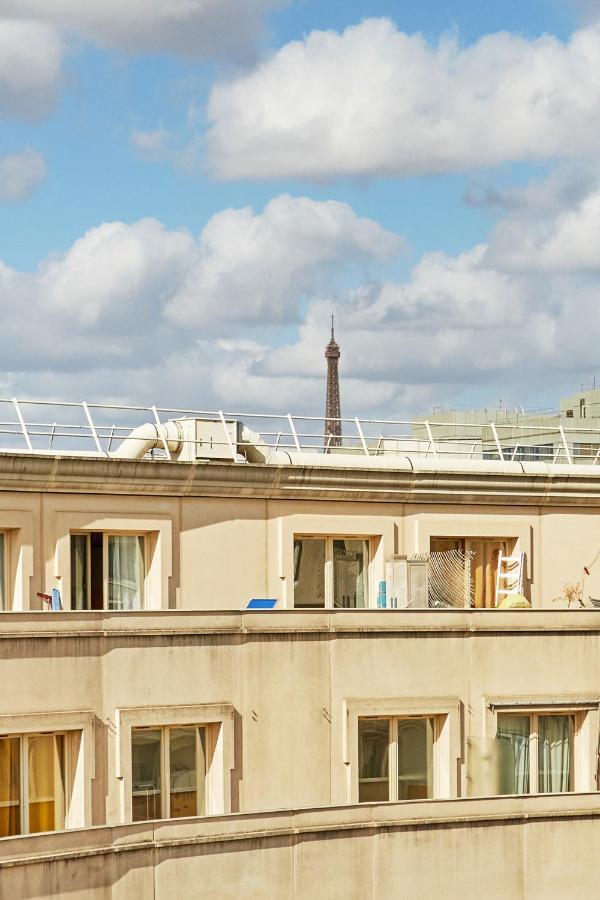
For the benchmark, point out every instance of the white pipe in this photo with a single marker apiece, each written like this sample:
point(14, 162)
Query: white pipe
point(256, 451)
point(148, 436)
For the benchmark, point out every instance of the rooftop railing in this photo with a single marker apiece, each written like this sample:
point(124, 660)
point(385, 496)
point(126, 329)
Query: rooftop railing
point(97, 429)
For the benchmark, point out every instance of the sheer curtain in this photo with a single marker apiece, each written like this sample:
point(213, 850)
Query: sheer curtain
point(554, 753)
point(512, 740)
point(350, 562)
point(10, 786)
point(79, 573)
point(125, 571)
point(46, 765)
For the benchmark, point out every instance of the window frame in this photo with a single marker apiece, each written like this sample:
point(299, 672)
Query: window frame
point(393, 772)
point(218, 720)
point(533, 742)
point(447, 752)
point(5, 579)
point(165, 764)
point(77, 730)
point(329, 576)
point(106, 535)
point(585, 710)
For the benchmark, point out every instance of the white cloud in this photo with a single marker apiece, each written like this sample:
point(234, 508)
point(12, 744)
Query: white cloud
point(258, 267)
point(146, 314)
point(20, 174)
point(131, 309)
point(375, 101)
point(30, 68)
point(195, 28)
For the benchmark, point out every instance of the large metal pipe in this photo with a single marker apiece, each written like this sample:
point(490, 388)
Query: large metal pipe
point(147, 437)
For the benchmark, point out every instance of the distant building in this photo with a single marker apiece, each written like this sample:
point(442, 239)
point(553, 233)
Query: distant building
point(573, 431)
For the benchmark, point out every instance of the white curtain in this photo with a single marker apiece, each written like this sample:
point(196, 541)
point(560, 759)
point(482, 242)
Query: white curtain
point(512, 740)
point(79, 578)
point(554, 753)
point(125, 571)
point(3, 604)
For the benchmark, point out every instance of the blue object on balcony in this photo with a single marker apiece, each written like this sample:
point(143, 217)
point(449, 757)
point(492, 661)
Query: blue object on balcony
point(261, 604)
point(382, 595)
point(55, 602)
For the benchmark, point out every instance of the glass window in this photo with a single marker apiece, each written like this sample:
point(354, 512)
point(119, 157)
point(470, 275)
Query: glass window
point(182, 751)
point(125, 571)
point(395, 758)
point(415, 759)
point(3, 598)
point(331, 572)
point(513, 738)
point(10, 786)
point(535, 751)
point(186, 759)
point(309, 572)
point(46, 782)
point(373, 760)
point(555, 738)
point(146, 771)
point(350, 561)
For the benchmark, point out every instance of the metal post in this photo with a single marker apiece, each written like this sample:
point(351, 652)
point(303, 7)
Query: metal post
point(161, 432)
point(232, 449)
point(431, 440)
point(93, 428)
point(22, 422)
point(362, 437)
point(565, 445)
point(295, 436)
point(498, 447)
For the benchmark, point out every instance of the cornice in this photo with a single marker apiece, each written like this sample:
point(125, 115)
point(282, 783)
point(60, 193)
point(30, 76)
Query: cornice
point(90, 475)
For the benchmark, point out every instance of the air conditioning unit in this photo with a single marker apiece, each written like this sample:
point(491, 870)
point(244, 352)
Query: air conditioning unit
point(208, 439)
point(407, 582)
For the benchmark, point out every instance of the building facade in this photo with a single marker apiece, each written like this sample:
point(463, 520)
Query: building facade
point(160, 736)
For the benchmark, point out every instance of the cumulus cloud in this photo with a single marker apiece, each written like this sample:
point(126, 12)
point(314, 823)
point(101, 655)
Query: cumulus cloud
point(194, 28)
point(258, 267)
point(237, 317)
point(142, 308)
point(373, 101)
point(30, 68)
point(20, 175)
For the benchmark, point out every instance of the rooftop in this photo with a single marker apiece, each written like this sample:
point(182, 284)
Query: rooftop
point(104, 430)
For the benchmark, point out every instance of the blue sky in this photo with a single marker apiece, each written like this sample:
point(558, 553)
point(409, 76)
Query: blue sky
point(135, 127)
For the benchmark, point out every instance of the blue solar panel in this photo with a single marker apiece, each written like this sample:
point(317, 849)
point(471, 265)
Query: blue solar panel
point(261, 604)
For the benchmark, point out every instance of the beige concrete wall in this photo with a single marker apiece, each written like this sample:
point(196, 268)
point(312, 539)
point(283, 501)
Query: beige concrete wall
point(527, 848)
point(289, 681)
point(217, 553)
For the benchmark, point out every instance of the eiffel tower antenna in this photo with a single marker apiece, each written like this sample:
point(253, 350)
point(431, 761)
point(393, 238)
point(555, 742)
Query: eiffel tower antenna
point(333, 413)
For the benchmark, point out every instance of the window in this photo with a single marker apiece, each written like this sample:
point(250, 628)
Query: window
point(484, 568)
point(587, 452)
point(36, 778)
point(395, 758)
point(535, 753)
point(169, 766)
point(331, 571)
point(107, 571)
point(3, 597)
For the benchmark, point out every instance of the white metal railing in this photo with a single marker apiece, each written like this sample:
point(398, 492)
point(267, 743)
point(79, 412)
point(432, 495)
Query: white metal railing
point(46, 426)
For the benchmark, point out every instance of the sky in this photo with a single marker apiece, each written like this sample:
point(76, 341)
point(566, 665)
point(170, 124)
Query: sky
point(190, 188)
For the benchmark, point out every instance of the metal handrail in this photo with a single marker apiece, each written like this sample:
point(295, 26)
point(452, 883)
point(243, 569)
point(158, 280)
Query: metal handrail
point(550, 442)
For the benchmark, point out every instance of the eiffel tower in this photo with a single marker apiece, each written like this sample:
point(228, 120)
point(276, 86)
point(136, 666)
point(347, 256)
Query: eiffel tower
point(333, 427)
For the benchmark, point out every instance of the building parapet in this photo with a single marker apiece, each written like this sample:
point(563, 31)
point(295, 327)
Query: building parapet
point(301, 853)
point(150, 624)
